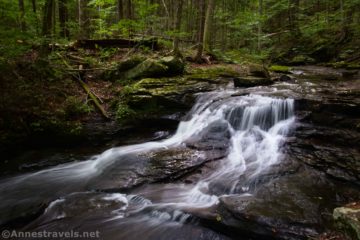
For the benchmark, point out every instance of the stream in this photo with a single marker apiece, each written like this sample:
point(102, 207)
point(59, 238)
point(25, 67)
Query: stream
point(230, 171)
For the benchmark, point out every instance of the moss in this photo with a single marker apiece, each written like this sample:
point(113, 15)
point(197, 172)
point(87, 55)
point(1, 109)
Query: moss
point(280, 69)
point(124, 112)
point(302, 59)
point(148, 68)
point(74, 107)
point(212, 72)
point(353, 66)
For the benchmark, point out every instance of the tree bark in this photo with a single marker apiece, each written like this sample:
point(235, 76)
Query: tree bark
point(22, 15)
point(200, 49)
point(120, 10)
point(48, 17)
point(129, 13)
point(178, 27)
point(207, 24)
point(260, 24)
point(63, 18)
point(83, 19)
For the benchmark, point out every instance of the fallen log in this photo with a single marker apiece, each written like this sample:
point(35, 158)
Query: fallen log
point(120, 43)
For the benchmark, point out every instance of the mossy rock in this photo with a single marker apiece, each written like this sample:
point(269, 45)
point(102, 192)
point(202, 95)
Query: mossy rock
point(251, 81)
point(280, 69)
point(258, 70)
point(175, 65)
point(118, 71)
point(210, 74)
point(302, 59)
point(148, 68)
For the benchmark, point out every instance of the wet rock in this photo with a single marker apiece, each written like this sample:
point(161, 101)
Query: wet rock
point(214, 136)
point(285, 78)
point(251, 81)
point(161, 165)
point(290, 206)
point(348, 219)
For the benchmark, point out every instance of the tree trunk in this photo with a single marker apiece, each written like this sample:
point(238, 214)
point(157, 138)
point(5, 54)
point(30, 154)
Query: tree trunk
point(63, 18)
point(260, 24)
point(120, 10)
point(207, 24)
point(202, 8)
point(22, 15)
point(178, 27)
point(34, 9)
point(129, 14)
point(83, 19)
point(48, 17)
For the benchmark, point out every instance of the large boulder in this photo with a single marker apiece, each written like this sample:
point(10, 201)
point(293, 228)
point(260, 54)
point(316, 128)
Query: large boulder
point(175, 65)
point(251, 81)
point(148, 68)
point(121, 67)
point(257, 70)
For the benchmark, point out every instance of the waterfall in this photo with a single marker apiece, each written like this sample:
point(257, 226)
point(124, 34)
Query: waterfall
point(257, 125)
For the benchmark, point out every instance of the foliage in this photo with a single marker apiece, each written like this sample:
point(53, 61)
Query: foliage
point(75, 107)
point(123, 112)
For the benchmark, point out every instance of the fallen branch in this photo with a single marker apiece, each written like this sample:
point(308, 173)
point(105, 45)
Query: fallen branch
point(87, 90)
point(94, 98)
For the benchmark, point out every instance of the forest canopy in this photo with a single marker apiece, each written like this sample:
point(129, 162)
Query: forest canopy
point(264, 28)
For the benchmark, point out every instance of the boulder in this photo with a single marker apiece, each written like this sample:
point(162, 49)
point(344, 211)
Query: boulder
point(302, 59)
point(121, 67)
point(148, 68)
point(175, 65)
point(251, 81)
point(257, 70)
point(285, 78)
point(348, 219)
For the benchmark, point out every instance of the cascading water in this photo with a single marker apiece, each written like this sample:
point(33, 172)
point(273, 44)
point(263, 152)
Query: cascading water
point(257, 126)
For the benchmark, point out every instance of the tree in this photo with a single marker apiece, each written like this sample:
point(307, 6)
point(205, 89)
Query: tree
point(207, 26)
point(260, 24)
point(178, 27)
point(120, 10)
point(83, 19)
point(200, 33)
point(48, 17)
point(63, 19)
point(22, 15)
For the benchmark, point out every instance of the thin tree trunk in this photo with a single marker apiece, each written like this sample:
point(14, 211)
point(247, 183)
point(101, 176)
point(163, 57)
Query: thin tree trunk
point(22, 15)
point(260, 24)
point(202, 9)
point(178, 27)
point(83, 19)
point(207, 24)
point(34, 9)
point(63, 18)
point(120, 10)
point(48, 17)
point(129, 14)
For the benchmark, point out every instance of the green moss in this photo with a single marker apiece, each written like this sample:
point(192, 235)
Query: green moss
point(302, 59)
point(75, 107)
point(124, 112)
point(280, 69)
point(212, 72)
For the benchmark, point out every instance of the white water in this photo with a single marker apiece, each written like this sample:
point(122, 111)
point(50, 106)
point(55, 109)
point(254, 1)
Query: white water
point(257, 124)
